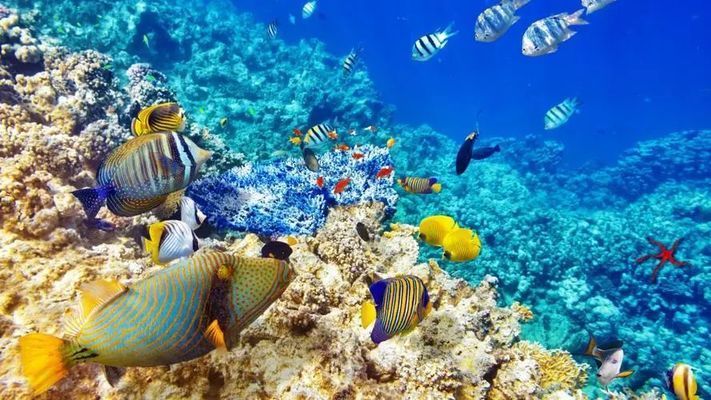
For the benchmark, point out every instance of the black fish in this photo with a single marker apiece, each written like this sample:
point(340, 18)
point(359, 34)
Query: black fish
point(465, 152)
point(484, 152)
point(363, 231)
point(310, 160)
point(276, 249)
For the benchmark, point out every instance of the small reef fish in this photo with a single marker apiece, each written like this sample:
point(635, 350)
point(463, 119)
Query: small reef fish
point(295, 141)
point(493, 22)
point(145, 41)
point(223, 122)
point(464, 155)
point(398, 306)
point(461, 245)
point(595, 5)
point(276, 249)
point(297, 132)
point(187, 310)
point(308, 9)
point(544, 36)
point(139, 175)
point(169, 240)
point(420, 185)
point(352, 132)
point(609, 360)
point(291, 241)
point(435, 228)
point(681, 381)
point(342, 147)
point(357, 156)
point(319, 181)
point(350, 61)
point(560, 114)
point(429, 45)
point(162, 117)
point(362, 231)
point(371, 128)
point(188, 212)
point(310, 160)
point(341, 185)
point(319, 134)
point(390, 143)
point(272, 29)
point(292, 19)
point(384, 172)
point(485, 152)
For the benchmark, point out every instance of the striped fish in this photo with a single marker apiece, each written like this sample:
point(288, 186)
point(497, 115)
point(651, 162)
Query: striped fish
point(429, 45)
point(350, 61)
point(319, 134)
point(188, 212)
point(272, 29)
point(560, 114)
point(170, 240)
point(420, 185)
point(399, 304)
point(680, 380)
point(308, 9)
point(493, 22)
point(181, 313)
point(139, 175)
point(544, 36)
point(163, 117)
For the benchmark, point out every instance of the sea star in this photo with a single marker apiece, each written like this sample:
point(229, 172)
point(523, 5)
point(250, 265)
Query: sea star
point(663, 256)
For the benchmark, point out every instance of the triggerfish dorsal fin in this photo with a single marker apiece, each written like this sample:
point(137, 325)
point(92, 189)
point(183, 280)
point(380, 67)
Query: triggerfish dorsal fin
point(377, 290)
point(93, 296)
point(367, 314)
point(214, 335)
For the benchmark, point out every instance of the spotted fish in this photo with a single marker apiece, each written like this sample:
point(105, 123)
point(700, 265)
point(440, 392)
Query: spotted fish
point(181, 313)
point(163, 117)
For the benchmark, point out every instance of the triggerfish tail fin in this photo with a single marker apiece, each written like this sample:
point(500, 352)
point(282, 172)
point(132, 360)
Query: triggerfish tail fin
point(44, 360)
point(92, 199)
point(590, 348)
point(378, 334)
point(574, 18)
point(367, 314)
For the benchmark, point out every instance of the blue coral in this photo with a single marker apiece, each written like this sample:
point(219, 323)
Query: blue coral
point(281, 197)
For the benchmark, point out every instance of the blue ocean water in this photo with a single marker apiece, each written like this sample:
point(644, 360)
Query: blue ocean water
point(640, 68)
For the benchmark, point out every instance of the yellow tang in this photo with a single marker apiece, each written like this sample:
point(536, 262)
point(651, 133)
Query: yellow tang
point(162, 117)
point(461, 245)
point(433, 229)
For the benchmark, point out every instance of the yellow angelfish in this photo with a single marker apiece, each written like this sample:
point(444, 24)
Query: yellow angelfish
point(178, 314)
point(461, 245)
point(434, 228)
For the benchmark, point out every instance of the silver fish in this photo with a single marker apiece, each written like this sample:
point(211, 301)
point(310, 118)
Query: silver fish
point(188, 212)
point(596, 5)
point(429, 45)
point(544, 35)
point(609, 361)
point(493, 22)
point(308, 9)
point(561, 113)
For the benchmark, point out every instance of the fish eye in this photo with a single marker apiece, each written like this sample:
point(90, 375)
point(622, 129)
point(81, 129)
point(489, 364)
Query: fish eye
point(599, 374)
point(447, 255)
point(423, 236)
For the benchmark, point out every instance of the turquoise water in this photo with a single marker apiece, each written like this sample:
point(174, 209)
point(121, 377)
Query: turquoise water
point(562, 215)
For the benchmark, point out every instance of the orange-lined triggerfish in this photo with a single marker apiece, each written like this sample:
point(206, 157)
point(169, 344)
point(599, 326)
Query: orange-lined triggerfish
point(139, 175)
point(181, 313)
point(399, 304)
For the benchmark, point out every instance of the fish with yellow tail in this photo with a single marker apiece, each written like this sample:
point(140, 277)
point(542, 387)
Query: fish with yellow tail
point(420, 185)
point(398, 306)
point(681, 381)
point(461, 245)
point(435, 228)
point(139, 175)
point(170, 240)
point(178, 314)
point(163, 117)
point(609, 359)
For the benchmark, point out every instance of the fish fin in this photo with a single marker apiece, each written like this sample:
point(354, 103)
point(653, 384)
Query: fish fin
point(97, 293)
point(44, 361)
point(497, 148)
point(590, 348)
point(378, 334)
point(574, 18)
point(377, 290)
point(520, 3)
point(137, 127)
point(437, 187)
point(214, 335)
point(447, 32)
point(92, 199)
point(625, 374)
point(367, 314)
point(128, 207)
point(113, 374)
point(515, 19)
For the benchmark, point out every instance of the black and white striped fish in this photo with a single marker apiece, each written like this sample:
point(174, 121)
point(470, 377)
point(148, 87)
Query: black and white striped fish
point(272, 29)
point(308, 9)
point(188, 212)
point(429, 45)
point(350, 61)
point(319, 134)
point(544, 35)
point(560, 114)
point(493, 22)
point(170, 240)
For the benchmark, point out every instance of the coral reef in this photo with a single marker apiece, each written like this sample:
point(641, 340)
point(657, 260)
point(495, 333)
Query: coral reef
point(281, 197)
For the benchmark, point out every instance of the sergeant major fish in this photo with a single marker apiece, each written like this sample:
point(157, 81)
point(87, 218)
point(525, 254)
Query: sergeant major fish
point(609, 360)
point(272, 29)
point(428, 45)
point(595, 5)
point(350, 61)
point(319, 134)
point(561, 113)
point(308, 9)
point(493, 22)
point(544, 36)
point(178, 314)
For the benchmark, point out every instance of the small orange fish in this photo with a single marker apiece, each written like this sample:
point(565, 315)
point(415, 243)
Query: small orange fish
point(341, 185)
point(371, 129)
point(390, 143)
point(295, 140)
point(352, 132)
point(297, 131)
point(358, 156)
point(385, 171)
point(319, 181)
point(342, 147)
point(333, 135)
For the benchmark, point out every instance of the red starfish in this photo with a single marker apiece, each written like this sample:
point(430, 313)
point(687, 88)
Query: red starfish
point(663, 256)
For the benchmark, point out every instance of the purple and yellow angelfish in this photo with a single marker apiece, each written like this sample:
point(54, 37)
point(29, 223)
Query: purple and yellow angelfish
point(399, 304)
point(181, 313)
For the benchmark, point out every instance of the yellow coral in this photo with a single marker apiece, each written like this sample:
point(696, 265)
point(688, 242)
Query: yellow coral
point(523, 310)
point(558, 368)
